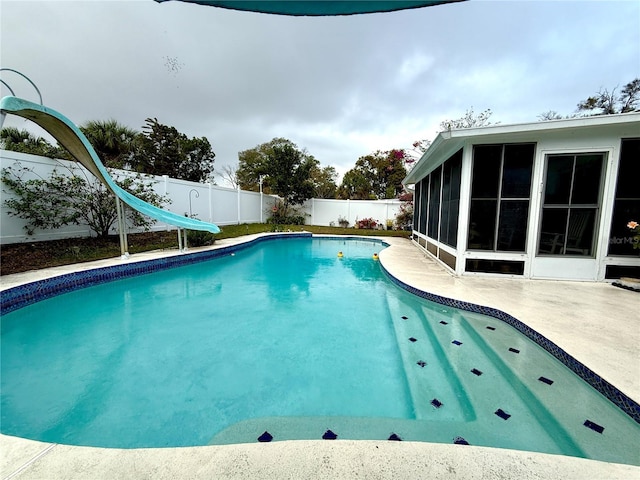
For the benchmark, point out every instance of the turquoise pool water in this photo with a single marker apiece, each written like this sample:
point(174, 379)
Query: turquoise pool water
point(286, 337)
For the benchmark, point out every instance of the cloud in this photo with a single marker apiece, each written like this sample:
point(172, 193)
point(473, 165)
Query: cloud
point(341, 87)
point(413, 68)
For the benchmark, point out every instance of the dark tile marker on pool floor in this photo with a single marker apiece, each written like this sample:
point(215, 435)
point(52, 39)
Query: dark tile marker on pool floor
point(502, 414)
point(394, 437)
point(546, 380)
point(265, 437)
point(329, 435)
point(593, 426)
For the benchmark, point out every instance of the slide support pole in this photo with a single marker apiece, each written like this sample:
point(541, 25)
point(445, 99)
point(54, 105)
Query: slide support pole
point(122, 230)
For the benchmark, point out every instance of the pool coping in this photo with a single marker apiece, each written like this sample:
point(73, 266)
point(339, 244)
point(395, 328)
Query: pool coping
point(448, 454)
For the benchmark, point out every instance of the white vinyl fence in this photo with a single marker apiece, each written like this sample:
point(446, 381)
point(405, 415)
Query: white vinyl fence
point(211, 203)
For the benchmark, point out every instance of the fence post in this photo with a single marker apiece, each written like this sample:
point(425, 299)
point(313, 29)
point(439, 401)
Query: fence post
point(386, 215)
point(210, 203)
point(260, 178)
point(238, 190)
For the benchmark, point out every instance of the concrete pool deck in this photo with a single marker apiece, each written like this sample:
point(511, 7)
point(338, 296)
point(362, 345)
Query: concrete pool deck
point(594, 322)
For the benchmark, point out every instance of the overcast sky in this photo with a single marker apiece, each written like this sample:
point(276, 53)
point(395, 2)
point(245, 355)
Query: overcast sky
point(341, 87)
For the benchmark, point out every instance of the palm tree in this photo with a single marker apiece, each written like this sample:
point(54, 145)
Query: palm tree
point(11, 136)
point(24, 141)
point(113, 142)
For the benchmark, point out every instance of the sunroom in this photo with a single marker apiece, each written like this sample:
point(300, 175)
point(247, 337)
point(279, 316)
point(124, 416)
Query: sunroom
point(547, 200)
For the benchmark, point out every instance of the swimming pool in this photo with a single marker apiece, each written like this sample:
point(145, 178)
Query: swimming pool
point(336, 366)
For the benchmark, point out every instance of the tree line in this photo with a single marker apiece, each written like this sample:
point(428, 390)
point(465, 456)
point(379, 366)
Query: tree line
point(604, 102)
point(156, 150)
point(279, 166)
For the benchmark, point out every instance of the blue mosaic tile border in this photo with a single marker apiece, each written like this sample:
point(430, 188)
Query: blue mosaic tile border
point(353, 237)
point(23, 295)
point(624, 402)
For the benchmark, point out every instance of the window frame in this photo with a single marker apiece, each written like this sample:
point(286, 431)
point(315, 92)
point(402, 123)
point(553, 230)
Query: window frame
point(499, 198)
point(569, 205)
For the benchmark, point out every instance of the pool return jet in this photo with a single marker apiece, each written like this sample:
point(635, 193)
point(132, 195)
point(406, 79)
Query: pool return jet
point(74, 141)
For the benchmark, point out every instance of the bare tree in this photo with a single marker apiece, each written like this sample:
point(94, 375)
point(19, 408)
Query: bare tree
point(469, 120)
point(608, 102)
point(229, 174)
point(549, 115)
point(604, 100)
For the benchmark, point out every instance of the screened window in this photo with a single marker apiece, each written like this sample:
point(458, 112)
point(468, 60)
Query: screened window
point(571, 204)
point(500, 193)
point(424, 201)
point(416, 206)
point(626, 205)
point(451, 177)
point(435, 180)
point(439, 194)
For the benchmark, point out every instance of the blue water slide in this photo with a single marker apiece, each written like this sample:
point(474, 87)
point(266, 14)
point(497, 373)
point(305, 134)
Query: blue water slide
point(71, 137)
point(318, 8)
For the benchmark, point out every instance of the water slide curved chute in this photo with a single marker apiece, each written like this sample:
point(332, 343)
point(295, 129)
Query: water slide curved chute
point(317, 8)
point(68, 135)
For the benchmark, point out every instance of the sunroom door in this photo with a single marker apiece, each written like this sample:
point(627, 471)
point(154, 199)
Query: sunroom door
point(570, 216)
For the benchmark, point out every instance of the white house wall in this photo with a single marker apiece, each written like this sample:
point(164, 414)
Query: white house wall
point(603, 138)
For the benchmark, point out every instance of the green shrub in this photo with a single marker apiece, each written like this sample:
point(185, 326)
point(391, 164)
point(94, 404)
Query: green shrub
point(282, 214)
point(288, 220)
point(72, 198)
point(199, 238)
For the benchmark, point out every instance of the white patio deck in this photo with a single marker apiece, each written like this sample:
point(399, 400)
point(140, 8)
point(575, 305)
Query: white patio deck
point(594, 322)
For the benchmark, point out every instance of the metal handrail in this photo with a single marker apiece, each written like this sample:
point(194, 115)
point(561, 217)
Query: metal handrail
point(25, 77)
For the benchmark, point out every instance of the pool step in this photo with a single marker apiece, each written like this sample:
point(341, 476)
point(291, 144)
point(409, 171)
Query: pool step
point(435, 392)
point(494, 367)
point(275, 429)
